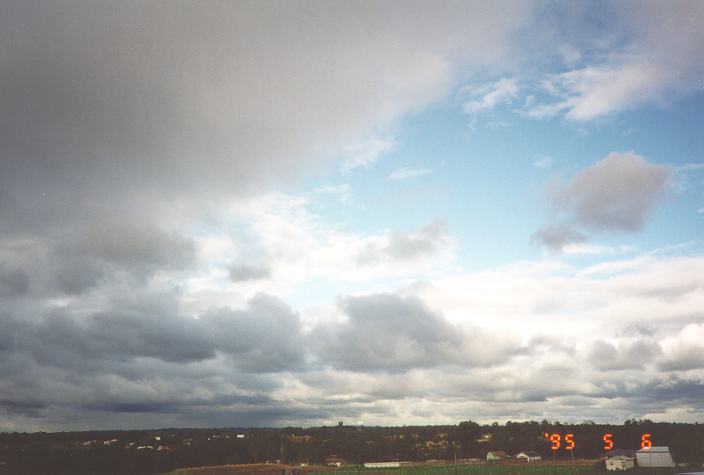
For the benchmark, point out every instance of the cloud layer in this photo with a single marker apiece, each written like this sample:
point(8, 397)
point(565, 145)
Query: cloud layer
point(154, 273)
point(372, 359)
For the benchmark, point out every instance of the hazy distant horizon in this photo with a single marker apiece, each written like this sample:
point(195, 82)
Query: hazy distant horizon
point(383, 213)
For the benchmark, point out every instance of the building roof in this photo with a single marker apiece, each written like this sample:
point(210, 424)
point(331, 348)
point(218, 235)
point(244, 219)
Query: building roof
point(654, 449)
point(614, 452)
point(620, 457)
point(497, 452)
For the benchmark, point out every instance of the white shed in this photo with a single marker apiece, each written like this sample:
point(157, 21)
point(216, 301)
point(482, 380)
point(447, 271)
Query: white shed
point(620, 462)
point(496, 455)
point(654, 457)
point(529, 456)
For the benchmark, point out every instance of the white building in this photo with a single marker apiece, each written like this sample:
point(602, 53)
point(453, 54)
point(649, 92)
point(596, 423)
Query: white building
point(382, 464)
point(496, 455)
point(620, 462)
point(654, 457)
point(528, 456)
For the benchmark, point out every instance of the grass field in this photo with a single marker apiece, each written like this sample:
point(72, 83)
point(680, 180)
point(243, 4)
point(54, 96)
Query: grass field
point(581, 468)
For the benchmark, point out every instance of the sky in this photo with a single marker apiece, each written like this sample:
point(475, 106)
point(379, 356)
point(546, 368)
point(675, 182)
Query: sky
point(382, 213)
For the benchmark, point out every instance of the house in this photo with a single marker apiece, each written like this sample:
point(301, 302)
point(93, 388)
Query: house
point(496, 455)
point(654, 457)
point(528, 456)
point(620, 462)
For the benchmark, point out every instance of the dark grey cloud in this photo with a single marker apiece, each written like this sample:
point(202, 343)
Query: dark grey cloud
point(104, 246)
point(13, 282)
point(96, 253)
point(140, 354)
point(178, 405)
point(76, 276)
point(27, 407)
point(263, 337)
point(158, 107)
point(648, 394)
point(673, 390)
point(136, 245)
point(616, 194)
point(388, 332)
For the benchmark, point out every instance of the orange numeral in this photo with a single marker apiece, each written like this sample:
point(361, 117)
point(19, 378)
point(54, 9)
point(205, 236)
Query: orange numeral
point(645, 442)
point(608, 443)
point(555, 439)
point(569, 441)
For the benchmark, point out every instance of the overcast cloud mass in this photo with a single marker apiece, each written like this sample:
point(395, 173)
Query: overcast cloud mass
point(294, 213)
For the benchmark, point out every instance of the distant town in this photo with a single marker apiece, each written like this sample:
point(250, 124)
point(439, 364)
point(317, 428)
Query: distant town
point(507, 448)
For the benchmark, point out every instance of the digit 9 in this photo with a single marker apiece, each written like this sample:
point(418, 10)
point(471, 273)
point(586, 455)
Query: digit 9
point(554, 440)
